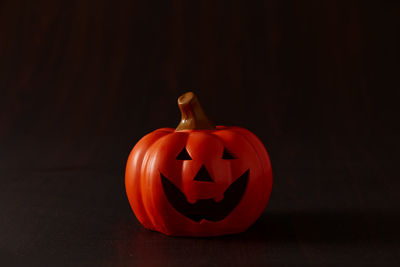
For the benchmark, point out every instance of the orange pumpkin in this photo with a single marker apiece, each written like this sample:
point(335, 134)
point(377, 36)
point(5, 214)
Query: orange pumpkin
point(198, 179)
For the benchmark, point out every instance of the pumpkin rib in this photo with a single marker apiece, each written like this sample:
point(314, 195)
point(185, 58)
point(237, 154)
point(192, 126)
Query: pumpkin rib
point(144, 169)
point(262, 155)
point(258, 148)
point(260, 162)
point(133, 175)
point(223, 141)
point(253, 148)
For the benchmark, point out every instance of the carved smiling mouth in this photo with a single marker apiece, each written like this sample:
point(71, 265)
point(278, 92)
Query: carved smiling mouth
point(207, 209)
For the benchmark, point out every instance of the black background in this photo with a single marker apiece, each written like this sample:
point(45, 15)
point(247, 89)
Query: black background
point(82, 81)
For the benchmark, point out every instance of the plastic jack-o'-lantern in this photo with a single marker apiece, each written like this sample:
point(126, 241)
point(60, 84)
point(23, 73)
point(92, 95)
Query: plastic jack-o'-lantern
point(198, 179)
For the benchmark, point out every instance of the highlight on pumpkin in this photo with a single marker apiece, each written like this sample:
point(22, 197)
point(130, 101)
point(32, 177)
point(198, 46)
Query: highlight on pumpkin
point(215, 185)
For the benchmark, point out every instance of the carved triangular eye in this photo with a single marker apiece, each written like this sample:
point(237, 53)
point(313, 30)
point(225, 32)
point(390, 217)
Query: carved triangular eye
point(184, 155)
point(227, 155)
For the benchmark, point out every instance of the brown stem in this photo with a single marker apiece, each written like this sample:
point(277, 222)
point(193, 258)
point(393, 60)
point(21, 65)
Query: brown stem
point(193, 116)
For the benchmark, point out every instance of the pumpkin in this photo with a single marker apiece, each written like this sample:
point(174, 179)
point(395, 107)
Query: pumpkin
point(198, 179)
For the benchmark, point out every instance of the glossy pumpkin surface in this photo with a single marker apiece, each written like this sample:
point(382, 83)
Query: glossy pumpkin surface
point(198, 182)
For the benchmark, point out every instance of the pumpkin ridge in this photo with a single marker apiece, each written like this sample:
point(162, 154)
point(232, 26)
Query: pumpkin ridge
point(222, 140)
point(149, 200)
point(235, 129)
point(146, 159)
point(262, 158)
point(135, 175)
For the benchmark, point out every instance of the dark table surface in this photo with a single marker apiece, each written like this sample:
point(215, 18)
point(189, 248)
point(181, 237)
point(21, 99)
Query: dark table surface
point(81, 82)
point(331, 204)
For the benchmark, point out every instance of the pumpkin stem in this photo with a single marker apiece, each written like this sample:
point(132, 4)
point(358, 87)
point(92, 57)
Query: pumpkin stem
point(193, 115)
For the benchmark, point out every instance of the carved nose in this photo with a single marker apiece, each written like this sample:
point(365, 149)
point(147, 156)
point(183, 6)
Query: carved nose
point(203, 175)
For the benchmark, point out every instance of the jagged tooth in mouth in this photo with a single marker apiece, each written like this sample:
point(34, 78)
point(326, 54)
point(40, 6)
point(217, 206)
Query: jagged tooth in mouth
point(219, 198)
point(191, 200)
